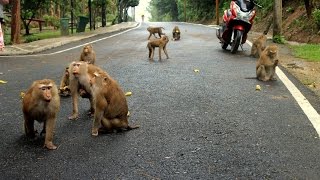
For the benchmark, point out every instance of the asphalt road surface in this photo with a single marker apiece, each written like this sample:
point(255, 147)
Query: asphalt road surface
point(210, 124)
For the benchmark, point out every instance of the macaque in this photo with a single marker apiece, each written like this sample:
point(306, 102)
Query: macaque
point(80, 74)
point(88, 55)
point(258, 46)
point(111, 108)
point(176, 33)
point(154, 30)
point(161, 43)
point(41, 103)
point(267, 63)
point(64, 89)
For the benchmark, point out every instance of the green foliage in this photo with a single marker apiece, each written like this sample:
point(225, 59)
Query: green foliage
point(310, 52)
point(279, 39)
point(30, 38)
point(42, 35)
point(316, 16)
point(7, 39)
point(290, 10)
point(165, 10)
point(51, 21)
point(133, 3)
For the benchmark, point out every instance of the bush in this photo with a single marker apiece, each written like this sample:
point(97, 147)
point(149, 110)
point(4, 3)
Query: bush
point(279, 39)
point(316, 16)
point(31, 38)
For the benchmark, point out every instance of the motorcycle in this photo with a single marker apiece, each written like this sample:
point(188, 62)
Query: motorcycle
point(237, 22)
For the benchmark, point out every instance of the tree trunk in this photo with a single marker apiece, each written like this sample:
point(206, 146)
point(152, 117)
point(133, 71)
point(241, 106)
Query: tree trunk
point(308, 8)
point(277, 18)
point(103, 14)
point(15, 22)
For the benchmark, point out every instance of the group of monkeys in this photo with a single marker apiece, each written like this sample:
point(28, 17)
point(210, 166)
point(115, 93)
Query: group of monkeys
point(162, 41)
point(108, 104)
point(268, 58)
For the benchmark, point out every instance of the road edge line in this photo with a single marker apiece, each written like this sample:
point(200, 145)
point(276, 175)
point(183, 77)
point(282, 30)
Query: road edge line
point(303, 102)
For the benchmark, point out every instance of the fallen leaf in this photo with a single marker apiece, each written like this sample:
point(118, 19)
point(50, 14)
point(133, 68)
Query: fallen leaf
point(258, 88)
point(196, 70)
point(22, 94)
point(128, 93)
point(3, 82)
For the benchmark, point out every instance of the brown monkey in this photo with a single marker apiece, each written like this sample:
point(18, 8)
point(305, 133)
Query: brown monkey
point(64, 89)
point(267, 63)
point(258, 46)
point(41, 103)
point(88, 55)
point(111, 108)
point(161, 43)
point(176, 33)
point(80, 74)
point(154, 30)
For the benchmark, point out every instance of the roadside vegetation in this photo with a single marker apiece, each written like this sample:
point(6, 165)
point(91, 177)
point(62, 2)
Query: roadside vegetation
point(301, 19)
point(309, 52)
point(50, 12)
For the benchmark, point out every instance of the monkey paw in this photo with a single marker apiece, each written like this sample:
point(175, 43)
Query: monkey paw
point(50, 146)
point(94, 132)
point(73, 117)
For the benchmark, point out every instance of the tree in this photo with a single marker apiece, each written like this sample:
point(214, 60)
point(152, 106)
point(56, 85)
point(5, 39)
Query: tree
point(30, 10)
point(175, 10)
point(308, 6)
point(165, 10)
point(123, 6)
point(277, 19)
point(15, 22)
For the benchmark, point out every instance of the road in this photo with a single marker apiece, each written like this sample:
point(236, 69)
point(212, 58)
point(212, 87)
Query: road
point(210, 124)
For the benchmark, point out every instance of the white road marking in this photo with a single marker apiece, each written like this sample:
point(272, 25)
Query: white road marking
point(303, 102)
point(57, 52)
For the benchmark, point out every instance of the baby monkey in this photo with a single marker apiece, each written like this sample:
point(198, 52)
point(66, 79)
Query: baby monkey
point(64, 89)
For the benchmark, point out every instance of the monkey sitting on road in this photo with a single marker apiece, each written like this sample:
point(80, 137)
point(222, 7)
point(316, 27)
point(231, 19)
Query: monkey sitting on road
point(64, 89)
point(41, 103)
point(258, 46)
point(88, 55)
point(161, 43)
point(176, 33)
point(111, 108)
point(266, 65)
point(154, 30)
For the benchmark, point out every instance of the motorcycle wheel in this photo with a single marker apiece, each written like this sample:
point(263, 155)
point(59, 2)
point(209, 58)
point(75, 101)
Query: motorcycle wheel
point(236, 41)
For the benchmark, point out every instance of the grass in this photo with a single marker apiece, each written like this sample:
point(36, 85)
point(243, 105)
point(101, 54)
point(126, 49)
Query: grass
point(310, 52)
point(48, 34)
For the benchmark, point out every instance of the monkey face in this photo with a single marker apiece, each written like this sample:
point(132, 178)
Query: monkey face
point(87, 49)
point(96, 80)
point(46, 91)
point(76, 68)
